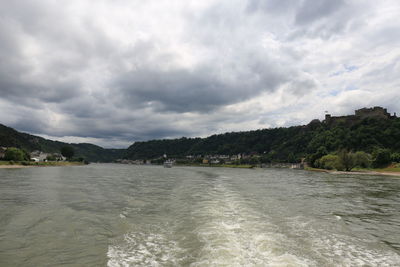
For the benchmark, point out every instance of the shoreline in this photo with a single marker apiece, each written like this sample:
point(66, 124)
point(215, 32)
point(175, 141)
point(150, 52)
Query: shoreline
point(68, 164)
point(15, 166)
point(395, 174)
point(44, 164)
point(217, 166)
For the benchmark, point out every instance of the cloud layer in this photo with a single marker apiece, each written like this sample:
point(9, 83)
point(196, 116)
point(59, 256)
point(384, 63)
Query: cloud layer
point(115, 72)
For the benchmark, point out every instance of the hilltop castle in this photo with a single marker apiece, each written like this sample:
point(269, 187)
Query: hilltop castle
point(360, 114)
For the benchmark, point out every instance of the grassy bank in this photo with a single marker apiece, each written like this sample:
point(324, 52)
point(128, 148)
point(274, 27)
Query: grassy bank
point(391, 168)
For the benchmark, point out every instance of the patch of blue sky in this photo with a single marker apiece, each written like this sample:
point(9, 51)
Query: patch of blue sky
point(334, 92)
point(350, 68)
point(347, 69)
point(351, 87)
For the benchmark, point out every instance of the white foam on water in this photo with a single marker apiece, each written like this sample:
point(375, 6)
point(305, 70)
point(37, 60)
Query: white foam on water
point(229, 232)
point(346, 251)
point(143, 249)
point(233, 234)
point(337, 249)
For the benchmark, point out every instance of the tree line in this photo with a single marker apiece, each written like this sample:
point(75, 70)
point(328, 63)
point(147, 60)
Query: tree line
point(370, 140)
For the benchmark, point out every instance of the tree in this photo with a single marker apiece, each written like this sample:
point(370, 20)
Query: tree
point(67, 151)
point(330, 162)
point(395, 157)
point(291, 158)
point(362, 159)
point(381, 157)
point(311, 159)
point(51, 158)
point(15, 154)
point(347, 159)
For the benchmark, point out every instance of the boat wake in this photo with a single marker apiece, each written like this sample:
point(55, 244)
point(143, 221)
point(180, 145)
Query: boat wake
point(225, 229)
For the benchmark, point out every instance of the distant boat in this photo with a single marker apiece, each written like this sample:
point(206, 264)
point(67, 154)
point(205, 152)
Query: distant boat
point(168, 164)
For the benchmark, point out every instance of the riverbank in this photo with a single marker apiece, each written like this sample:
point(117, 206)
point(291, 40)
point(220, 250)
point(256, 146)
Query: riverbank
point(243, 166)
point(29, 164)
point(384, 171)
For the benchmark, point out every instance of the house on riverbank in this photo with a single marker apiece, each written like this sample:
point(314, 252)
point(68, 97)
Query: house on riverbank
point(42, 156)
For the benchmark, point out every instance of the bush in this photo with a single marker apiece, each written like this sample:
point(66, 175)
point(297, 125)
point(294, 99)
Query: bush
point(14, 154)
point(362, 159)
point(67, 151)
point(395, 157)
point(344, 161)
point(329, 162)
point(347, 160)
point(312, 159)
point(51, 158)
point(381, 157)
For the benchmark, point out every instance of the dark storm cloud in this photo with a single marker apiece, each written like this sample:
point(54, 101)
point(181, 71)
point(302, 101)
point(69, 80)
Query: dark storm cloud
point(42, 55)
point(199, 90)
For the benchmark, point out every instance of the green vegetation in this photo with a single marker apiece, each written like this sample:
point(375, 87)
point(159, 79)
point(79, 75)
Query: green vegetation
point(362, 159)
point(12, 138)
point(15, 154)
point(364, 143)
point(67, 151)
point(381, 157)
point(391, 168)
point(329, 162)
point(344, 161)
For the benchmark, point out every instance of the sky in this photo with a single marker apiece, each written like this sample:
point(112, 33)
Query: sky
point(112, 72)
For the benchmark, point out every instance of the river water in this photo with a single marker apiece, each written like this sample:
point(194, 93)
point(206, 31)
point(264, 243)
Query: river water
point(122, 215)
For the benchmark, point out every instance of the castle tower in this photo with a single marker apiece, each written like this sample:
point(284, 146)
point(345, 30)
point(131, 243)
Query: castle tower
point(328, 117)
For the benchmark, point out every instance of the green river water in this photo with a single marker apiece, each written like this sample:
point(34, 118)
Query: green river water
point(123, 215)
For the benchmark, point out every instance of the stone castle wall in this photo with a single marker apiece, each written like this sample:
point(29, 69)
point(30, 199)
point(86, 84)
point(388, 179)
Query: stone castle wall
point(376, 112)
point(360, 114)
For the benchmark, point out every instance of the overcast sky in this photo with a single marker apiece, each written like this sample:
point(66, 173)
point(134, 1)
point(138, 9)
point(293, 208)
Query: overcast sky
point(112, 72)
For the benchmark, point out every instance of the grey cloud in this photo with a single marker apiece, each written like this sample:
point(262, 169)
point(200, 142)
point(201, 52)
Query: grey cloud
point(52, 74)
point(200, 90)
point(29, 120)
point(272, 6)
point(312, 10)
point(301, 86)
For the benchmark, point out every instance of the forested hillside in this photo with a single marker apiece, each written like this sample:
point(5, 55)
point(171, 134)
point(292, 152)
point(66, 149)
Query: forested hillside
point(282, 144)
point(12, 138)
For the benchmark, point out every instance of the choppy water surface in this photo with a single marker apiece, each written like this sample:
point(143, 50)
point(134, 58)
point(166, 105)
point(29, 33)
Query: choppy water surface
point(119, 215)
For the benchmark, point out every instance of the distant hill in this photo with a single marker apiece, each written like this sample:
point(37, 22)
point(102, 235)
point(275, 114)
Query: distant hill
point(367, 130)
point(12, 138)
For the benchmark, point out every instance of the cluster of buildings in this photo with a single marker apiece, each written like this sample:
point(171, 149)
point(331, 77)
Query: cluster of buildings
point(37, 155)
point(227, 159)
